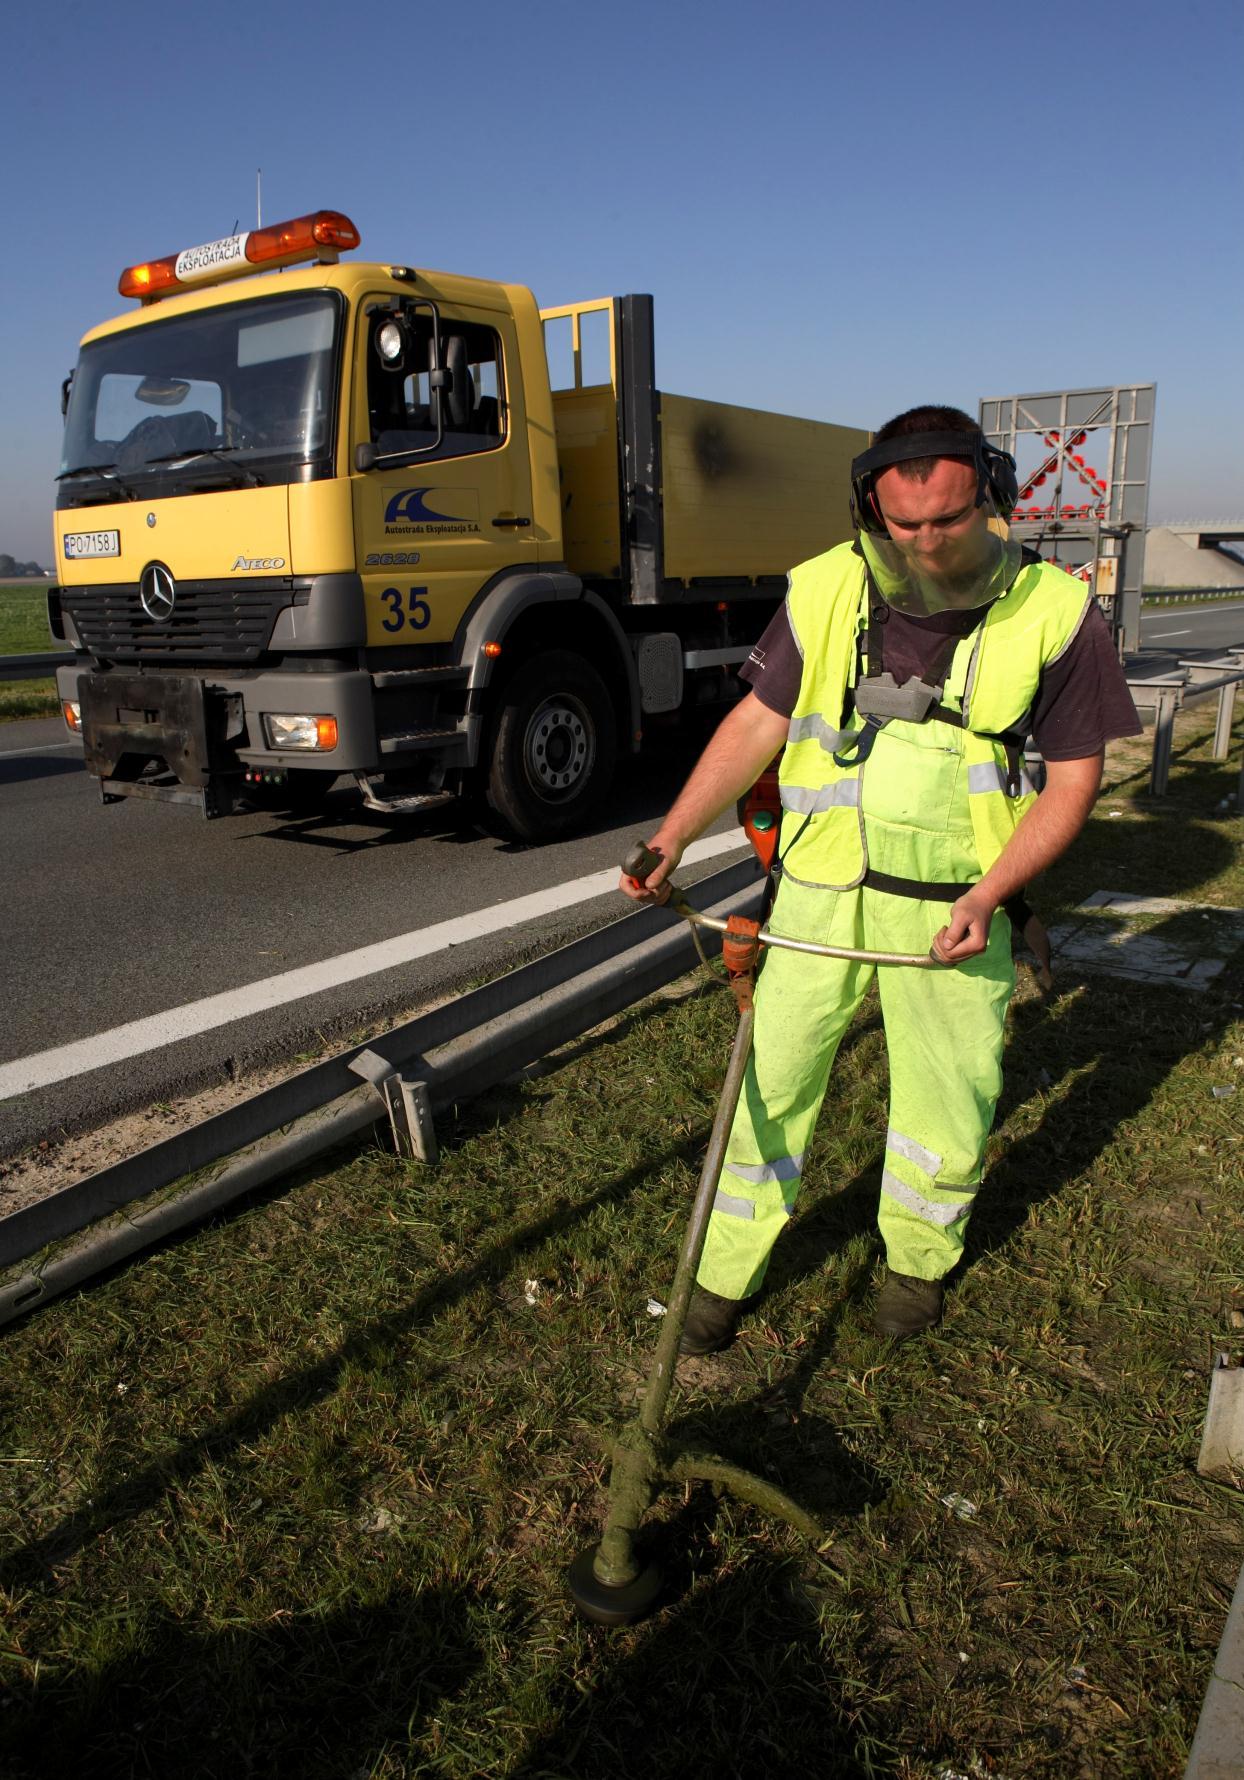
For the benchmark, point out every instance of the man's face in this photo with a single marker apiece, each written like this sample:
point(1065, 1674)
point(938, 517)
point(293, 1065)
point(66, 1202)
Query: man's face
point(937, 524)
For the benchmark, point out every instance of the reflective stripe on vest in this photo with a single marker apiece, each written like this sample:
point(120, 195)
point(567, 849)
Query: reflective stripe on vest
point(804, 729)
point(989, 776)
point(843, 794)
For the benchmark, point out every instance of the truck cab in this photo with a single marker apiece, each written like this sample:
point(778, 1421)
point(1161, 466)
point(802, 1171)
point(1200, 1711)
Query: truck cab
point(328, 518)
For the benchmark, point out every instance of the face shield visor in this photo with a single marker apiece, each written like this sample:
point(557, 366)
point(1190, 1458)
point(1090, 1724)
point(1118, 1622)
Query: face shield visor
point(930, 552)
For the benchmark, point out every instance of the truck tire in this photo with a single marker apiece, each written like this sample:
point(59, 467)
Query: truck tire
point(554, 744)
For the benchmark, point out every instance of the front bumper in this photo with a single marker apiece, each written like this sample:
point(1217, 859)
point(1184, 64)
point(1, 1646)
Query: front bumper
point(189, 737)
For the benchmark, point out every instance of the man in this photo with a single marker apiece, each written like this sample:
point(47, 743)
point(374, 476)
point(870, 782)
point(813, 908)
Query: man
point(901, 679)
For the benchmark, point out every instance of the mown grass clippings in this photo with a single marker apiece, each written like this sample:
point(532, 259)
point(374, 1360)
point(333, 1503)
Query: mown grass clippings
point(297, 1494)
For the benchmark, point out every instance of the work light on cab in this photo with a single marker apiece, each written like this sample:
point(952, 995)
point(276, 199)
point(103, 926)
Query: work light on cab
point(322, 235)
point(318, 733)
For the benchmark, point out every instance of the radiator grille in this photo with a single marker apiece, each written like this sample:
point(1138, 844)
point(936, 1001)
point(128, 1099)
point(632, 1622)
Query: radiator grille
point(226, 621)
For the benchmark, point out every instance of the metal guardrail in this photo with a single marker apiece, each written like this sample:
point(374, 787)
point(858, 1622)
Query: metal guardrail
point(1168, 693)
point(449, 1055)
point(33, 667)
point(1173, 596)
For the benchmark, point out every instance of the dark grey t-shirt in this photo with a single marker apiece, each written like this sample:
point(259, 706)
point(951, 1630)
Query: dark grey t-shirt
point(1082, 699)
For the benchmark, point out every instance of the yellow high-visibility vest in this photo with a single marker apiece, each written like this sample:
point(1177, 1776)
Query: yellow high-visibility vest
point(992, 680)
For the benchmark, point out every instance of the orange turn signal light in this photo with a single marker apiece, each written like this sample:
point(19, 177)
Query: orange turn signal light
point(492, 650)
point(326, 732)
point(72, 715)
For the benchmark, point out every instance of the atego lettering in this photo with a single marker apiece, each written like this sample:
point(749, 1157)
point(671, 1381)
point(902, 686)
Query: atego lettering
point(259, 562)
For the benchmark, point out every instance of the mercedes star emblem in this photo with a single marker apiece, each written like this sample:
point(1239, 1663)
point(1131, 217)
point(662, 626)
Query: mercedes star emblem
point(157, 593)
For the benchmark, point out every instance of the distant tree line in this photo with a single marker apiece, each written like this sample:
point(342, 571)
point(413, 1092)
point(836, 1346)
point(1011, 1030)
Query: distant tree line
point(9, 566)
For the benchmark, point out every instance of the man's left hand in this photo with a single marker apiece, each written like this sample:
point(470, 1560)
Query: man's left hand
point(967, 932)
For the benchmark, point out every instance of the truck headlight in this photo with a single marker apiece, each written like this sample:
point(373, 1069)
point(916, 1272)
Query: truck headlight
point(300, 732)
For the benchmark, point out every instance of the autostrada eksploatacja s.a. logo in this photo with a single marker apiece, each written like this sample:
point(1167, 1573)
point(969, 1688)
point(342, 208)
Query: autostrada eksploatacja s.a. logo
point(409, 511)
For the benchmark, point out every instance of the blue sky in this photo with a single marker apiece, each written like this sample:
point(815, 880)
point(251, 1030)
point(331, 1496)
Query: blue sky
point(839, 210)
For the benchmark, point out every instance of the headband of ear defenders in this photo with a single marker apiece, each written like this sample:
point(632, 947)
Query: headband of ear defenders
point(899, 451)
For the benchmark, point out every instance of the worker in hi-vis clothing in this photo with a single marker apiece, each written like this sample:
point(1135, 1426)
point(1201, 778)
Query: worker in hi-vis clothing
point(901, 680)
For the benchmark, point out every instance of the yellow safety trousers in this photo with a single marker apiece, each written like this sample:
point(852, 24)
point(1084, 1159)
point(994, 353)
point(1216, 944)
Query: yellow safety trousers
point(944, 1029)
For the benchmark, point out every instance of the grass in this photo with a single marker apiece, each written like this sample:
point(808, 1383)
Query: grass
point(24, 631)
point(297, 1495)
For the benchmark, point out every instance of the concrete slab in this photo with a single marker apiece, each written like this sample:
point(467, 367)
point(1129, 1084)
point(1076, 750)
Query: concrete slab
point(1149, 939)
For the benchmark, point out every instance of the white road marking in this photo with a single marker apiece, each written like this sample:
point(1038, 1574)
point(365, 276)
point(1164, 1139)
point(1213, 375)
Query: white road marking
point(47, 748)
point(43, 1068)
point(1155, 635)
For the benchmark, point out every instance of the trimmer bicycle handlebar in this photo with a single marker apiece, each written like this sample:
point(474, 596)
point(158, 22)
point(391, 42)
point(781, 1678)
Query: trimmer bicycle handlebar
point(641, 860)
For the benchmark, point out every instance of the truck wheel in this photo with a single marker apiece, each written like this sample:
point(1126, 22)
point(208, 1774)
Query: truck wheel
point(553, 746)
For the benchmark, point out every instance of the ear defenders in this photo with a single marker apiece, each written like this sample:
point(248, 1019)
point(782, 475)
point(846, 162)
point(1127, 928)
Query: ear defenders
point(996, 479)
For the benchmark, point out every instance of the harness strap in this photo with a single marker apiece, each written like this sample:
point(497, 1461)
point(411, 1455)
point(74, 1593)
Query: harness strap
point(1016, 908)
point(917, 887)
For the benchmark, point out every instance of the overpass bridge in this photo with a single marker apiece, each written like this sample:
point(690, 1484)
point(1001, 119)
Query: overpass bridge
point(1194, 553)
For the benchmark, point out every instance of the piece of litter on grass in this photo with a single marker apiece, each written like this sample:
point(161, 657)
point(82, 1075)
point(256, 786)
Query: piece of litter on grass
point(959, 1505)
point(381, 1521)
point(531, 1290)
point(963, 1656)
point(655, 1307)
point(1223, 1092)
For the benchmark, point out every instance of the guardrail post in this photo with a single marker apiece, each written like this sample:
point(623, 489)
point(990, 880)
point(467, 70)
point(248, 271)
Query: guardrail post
point(1226, 712)
point(1168, 700)
point(407, 1103)
point(417, 1104)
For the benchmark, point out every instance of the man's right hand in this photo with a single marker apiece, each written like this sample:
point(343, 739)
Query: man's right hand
point(745, 742)
point(655, 887)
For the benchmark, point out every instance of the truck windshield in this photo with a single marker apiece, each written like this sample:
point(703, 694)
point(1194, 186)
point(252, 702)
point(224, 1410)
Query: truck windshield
point(243, 395)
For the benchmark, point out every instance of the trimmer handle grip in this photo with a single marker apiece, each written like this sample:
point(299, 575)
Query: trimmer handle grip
point(639, 862)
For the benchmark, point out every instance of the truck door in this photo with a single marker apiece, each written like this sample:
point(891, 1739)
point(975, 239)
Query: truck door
point(448, 502)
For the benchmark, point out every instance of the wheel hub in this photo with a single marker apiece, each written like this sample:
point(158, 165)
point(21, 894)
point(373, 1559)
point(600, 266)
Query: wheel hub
point(559, 747)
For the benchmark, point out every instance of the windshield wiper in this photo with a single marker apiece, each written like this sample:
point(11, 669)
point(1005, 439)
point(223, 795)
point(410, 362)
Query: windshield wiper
point(247, 477)
point(105, 473)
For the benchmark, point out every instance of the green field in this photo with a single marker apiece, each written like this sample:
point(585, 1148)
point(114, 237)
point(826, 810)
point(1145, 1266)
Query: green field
point(296, 1496)
point(24, 631)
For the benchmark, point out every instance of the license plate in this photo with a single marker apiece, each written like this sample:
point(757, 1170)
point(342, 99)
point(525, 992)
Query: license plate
point(79, 544)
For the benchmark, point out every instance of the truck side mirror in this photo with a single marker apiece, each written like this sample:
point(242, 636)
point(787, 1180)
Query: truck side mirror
point(65, 387)
point(365, 457)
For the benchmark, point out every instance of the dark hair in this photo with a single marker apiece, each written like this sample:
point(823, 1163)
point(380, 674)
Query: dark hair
point(929, 419)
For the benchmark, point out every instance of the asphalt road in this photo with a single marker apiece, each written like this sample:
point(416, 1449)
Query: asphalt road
point(120, 914)
point(116, 914)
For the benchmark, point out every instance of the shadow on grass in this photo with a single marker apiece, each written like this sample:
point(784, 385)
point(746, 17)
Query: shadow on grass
point(313, 1695)
point(734, 1681)
point(32, 1565)
point(801, 1452)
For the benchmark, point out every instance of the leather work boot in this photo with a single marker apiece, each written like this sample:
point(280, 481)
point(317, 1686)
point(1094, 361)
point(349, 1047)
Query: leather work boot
point(711, 1322)
point(907, 1306)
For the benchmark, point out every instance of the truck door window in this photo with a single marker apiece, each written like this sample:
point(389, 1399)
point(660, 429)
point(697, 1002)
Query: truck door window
point(402, 403)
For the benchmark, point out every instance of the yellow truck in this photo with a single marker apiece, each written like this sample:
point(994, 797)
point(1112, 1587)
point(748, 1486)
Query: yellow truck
point(317, 516)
